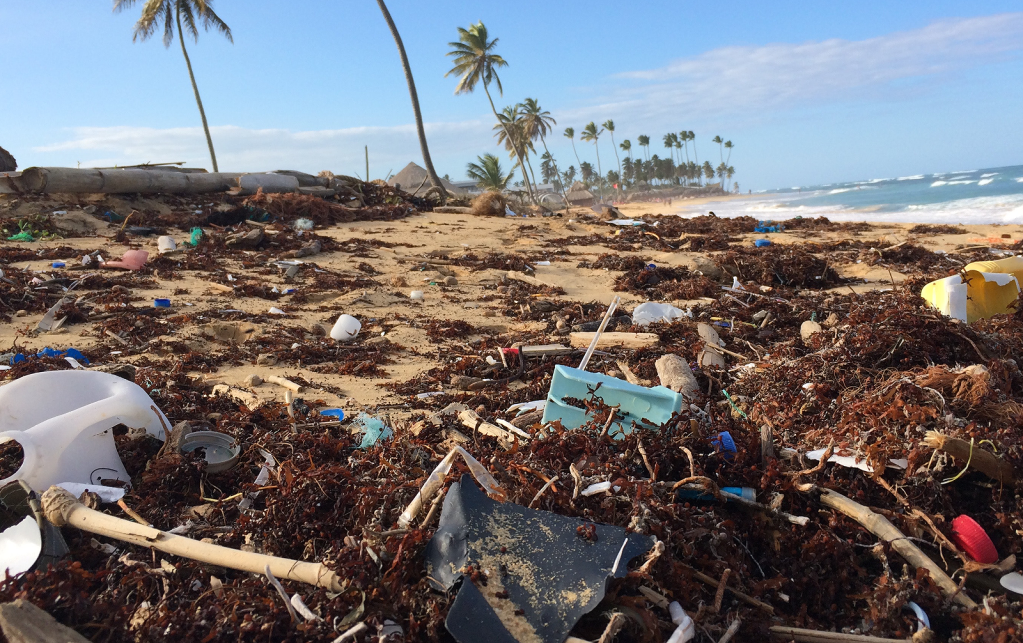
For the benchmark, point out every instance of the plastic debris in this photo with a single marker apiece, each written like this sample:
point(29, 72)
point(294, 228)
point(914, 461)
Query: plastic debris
point(337, 414)
point(20, 546)
point(131, 260)
point(166, 244)
point(345, 329)
point(220, 451)
point(63, 421)
point(762, 243)
point(416, 294)
point(686, 629)
point(980, 290)
point(373, 430)
point(651, 312)
point(974, 540)
point(527, 589)
point(161, 303)
point(636, 404)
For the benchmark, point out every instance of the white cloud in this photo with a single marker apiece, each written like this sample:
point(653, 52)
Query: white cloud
point(243, 149)
point(756, 79)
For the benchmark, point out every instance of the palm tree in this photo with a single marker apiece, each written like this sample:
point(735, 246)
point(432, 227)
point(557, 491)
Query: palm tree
point(537, 123)
point(719, 141)
point(729, 172)
point(434, 179)
point(722, 169)
point(728, 146)
point(684, 137)
point(668, 143)
point(475, 63)
point(488, 173)
point(591, 133)
point(510, 123)
point(585, 171)
point(692, 137)
point(156, 11)
point(644, 142)
point(708, 170)
point(626, 146)
point(570, 134)
point(609, 125)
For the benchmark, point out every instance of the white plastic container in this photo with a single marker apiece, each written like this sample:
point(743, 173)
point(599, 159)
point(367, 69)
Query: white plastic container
point(64, 422)
point(166, 244)
point(345, 329)
point(416, 294)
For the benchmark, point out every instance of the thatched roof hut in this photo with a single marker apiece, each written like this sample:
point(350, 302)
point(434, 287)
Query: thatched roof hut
point(580, 196)
point(412, 176)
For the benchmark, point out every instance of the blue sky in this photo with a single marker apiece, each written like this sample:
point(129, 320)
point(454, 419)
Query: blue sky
point(809, 92)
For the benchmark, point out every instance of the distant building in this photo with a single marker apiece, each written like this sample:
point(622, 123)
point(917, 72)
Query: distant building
point(413, 176)
point(580, 196)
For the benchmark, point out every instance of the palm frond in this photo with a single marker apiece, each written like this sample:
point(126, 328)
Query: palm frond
point(211, 19)
point(184, 8)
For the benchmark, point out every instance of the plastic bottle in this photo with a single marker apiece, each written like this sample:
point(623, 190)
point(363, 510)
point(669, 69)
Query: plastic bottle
point(64, 419)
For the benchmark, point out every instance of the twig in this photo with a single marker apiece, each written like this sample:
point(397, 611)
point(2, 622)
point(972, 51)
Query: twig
point(814, 636)
point(542, 490)
point(646, 460)
point(720, 594)
point(692, 466)
point(652, 557)
point(616, 623)
point(733, 628)
point(577, 477)
point(745, 598)
point(134, 516)
point(280, 590)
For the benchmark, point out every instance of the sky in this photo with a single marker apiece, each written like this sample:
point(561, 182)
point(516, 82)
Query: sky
point(809, 92)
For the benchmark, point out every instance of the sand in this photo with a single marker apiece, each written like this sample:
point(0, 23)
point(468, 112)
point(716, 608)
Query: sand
point(428, 236)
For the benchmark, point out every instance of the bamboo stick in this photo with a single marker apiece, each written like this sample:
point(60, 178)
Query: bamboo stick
point(62, 508)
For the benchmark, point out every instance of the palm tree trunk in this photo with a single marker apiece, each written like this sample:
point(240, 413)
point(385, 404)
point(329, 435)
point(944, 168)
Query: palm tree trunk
point(531, 172)
point(195, 88)
point(615, 148)
point(434, 179)
point(600, 172)
point(507, 132)
point(556, 171)
point(577, 161)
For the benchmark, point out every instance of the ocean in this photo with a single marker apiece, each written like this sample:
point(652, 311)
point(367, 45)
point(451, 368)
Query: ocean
point(993, 195)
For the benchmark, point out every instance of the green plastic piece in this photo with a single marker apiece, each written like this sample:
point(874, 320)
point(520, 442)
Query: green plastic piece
point(25, 235)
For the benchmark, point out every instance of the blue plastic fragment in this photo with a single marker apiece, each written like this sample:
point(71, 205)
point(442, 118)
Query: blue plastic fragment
point(373, 430)
point(50, 352)
point(651, 266)
point(649, 407)
point(761, 243)
point(766, 226)
point(336, 413)
point(695, 494)
point(58, 264)
point(161, 303)
point(725, 444)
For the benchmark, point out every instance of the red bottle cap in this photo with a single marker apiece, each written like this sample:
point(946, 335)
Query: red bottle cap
point(974, 541)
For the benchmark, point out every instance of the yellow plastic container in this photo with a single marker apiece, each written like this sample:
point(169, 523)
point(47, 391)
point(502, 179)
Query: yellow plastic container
point(983, 289)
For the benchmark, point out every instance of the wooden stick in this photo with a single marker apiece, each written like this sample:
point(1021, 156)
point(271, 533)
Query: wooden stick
point(766, 443)
point(62, 508)
point(281, 381)
point(616, 623)
point(745, 598)
point(882, 528)
point(733, 628)
point(980, 459)
point(625, 340)
point(815, 636)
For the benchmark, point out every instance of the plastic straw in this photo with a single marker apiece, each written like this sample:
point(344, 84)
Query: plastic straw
point(596, 336)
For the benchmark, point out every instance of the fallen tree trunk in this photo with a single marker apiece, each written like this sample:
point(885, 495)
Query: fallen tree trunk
point(49, 180)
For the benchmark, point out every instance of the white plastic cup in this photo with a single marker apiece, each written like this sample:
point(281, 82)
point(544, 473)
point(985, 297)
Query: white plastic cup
point(166, 244)
point(416, 294)
point(345, 329)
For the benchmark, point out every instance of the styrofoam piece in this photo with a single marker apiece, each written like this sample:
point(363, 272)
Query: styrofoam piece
point(525, 407)
point(345, 329)
point(166, 244)
point(854, 462)
point(644, 406)
point(64, 422)
point(650, 312)
point(106, 494)
point(20, 546)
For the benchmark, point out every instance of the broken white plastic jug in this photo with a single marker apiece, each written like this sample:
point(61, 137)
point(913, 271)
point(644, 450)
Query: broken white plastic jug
point(345, 328)
point(64, 422)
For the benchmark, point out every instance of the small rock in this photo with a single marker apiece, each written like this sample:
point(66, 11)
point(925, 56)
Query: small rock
point(450, 281)
point(463, 382)
point(266, 359)
point(502, 290)
point(253, 380)
point(21, 313)
point(398, 281)
point(90, 209)
point(831, 321)
point(489, 313)
point(675, 374)
point(214, 417)
point(318, 330)
point(122, 290)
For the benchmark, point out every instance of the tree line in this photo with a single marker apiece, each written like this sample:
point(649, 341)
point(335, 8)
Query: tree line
point(518, 127)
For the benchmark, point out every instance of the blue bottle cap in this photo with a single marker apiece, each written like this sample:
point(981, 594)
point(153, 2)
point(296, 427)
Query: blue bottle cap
point(724, 443)
point(761, 243)
point(338, 413)
point(161, 303)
